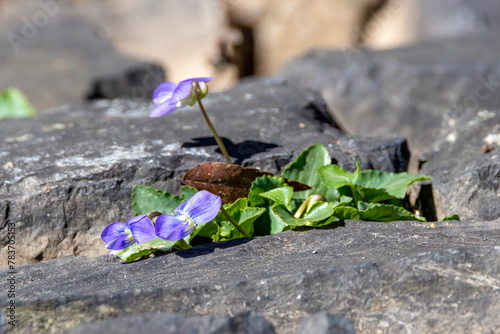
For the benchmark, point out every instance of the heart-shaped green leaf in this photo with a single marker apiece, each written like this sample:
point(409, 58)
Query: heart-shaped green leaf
point(305, 169)
point(318, 212)
point(148, 199)
point(281, 195)
point(385, 213)
point(394, 184)
point(373, 195)
point(261, 185)
point(334, 176)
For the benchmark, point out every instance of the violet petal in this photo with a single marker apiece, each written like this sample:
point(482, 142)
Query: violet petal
point(201, 208)
point(171, 228)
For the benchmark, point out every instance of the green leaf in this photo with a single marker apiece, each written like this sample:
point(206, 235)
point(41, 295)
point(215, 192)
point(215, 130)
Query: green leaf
point(261, 185)
point(325, 222)
point(14, 104)
point(331, 194)
point(452, 217)
point(362, 206)
point(334, 176)
point(385, 213)
point(305, 168)
point(281, 195)
point(244, 216)
point(373, 195)
point(318, 212)
point(207, 230)
point(148, 199)
point(346, 213)
point(342, 202)
point(394, 184)
point(245, 219)
point(276, 223)
point(266, 223)
point(137, 251)
point(187, 193)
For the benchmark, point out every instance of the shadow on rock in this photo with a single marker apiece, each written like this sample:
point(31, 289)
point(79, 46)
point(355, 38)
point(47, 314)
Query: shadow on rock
point(241, 151)
point(210, 248)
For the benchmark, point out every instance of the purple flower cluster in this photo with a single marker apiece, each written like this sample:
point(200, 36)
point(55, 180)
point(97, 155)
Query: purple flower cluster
point(199, 209)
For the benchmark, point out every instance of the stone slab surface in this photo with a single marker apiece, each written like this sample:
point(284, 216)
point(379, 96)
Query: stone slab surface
point(173, 323)
point(393, 276)
point(465, 165)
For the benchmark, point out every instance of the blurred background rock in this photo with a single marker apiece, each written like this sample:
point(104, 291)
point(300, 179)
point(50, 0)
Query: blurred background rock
point(63, 51)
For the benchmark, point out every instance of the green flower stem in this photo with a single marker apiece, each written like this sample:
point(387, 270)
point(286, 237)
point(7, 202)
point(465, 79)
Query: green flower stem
point(234, 223)
point(184, 244)
point(197, 89)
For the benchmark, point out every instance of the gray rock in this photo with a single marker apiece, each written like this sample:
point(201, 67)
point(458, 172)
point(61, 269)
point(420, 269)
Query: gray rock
point(135, 83)
point(373, 274)
point(56, 59)
point(434, 93)
point(408, 91)
point(173, 323)
point(466, 176)
point(324, 323)
point(68, 173)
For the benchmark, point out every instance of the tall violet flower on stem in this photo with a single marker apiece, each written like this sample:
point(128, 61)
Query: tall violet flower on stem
point(168, 97)
point(199, 209)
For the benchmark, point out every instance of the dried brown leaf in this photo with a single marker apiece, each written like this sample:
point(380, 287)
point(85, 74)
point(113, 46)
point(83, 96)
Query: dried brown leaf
point(230, 182)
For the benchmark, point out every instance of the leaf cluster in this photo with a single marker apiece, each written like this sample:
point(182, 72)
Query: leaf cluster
point(272, 205)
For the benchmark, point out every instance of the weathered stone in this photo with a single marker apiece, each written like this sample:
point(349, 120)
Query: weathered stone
point(324, 323)
point(421, 92)
point(136, 83)
point(69, 172)
point(466, 179)
point(409, 91)
point(373, 274)
point(173, 323)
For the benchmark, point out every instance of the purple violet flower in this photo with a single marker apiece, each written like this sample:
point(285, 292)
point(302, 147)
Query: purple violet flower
point(199, 209)
point(118, 236)
point(168, 96)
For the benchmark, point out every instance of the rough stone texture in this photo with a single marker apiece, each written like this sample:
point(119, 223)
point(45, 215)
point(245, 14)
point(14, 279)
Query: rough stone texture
point(173, 323)
point(373, 274)
point(402, 22)
point(466, 179)
point(324, 323)
point(68, 173)
point(53, 55)
point(433, 93)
